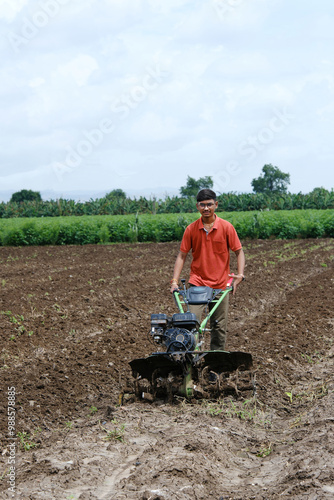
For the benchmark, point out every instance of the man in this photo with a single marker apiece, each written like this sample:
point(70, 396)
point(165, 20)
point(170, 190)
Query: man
point(210, 238)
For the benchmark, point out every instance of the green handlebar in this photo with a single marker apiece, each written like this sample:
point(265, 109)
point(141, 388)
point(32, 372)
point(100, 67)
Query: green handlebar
point(206, 319)
point(217, 302)
point(178, 301)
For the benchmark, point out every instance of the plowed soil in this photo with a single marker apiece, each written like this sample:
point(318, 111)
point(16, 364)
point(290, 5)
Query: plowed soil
point(73, 317)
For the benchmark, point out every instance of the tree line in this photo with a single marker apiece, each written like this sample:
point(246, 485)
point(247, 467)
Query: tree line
point(319, 198)
point(269, 193)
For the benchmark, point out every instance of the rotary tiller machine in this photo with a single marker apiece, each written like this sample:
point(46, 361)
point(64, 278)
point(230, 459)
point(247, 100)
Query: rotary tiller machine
point(183, 368)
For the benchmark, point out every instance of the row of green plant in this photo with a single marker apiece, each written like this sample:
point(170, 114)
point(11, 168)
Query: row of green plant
point(319, 199)
point(159, 228)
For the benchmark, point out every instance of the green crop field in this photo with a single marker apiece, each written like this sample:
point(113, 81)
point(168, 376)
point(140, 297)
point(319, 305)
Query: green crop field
point(74, 230)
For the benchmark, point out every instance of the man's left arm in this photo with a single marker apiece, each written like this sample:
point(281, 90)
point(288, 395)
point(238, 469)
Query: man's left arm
point(241, 267)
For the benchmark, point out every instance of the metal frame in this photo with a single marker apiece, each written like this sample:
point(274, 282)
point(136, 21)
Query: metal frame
point(182, 293)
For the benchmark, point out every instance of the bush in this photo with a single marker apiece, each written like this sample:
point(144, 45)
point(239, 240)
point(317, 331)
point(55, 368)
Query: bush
point(25, 195)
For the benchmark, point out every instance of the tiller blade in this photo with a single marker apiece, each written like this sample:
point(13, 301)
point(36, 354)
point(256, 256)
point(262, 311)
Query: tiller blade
point(161, 363)
point(223, 361)
point(181, 372)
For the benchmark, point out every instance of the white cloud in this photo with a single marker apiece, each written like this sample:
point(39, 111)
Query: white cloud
point(38, 179)
point(78, 69)
point(10, 8)
point(152, 127)
point(36, 82)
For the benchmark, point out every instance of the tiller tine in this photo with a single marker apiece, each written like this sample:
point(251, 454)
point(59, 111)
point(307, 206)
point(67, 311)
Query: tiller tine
point(162, 364)
point(223, 361)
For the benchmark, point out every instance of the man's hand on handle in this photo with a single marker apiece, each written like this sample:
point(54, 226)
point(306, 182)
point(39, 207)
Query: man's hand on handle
point(238, 278)
point(174, 286)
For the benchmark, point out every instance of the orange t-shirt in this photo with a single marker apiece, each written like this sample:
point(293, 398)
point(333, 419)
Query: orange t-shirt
point(210, 252)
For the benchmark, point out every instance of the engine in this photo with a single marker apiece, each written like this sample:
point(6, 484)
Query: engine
point(177, 333)
point(179, 339)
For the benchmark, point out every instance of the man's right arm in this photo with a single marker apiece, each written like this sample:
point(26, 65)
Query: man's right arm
point(179, 263)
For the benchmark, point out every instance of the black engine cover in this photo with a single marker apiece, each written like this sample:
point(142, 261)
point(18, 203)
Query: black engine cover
point(179, 339)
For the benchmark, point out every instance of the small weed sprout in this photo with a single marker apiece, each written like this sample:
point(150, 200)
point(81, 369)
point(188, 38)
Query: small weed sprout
point(26, 440)
point(265, 451)
point(92, 410)
point(216, 409)
point(117, 433)
point(313, 358)
point(290, 396)
point(246, 411)
point(15, 320)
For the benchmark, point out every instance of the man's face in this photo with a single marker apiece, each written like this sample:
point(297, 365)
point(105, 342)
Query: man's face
point(207, 207)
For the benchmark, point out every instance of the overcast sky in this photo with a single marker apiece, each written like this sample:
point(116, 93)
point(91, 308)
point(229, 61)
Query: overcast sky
point(139, 94)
